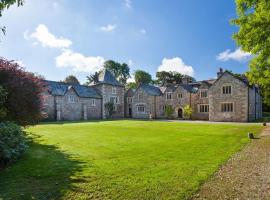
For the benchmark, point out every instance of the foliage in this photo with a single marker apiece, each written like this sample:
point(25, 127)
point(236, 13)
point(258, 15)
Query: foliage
point(3, 98)
point(169, 111)
point(128, 151)
point(187, 111)
point(71, 80)
point(5, 4)
point(131, 85)
point(254, 37)
point(142, 77)
point(164, 77)
point(109, 108)
point(12, 142)
point(120, 71)
point(24, 101)
point(93, 78)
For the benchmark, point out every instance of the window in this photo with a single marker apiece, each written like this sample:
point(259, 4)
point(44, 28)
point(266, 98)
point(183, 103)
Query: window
point(141, 109)
point(204, 93)
point(227, 107)
point(227, 89)
point(71, 99)
point(179, 96)
point(114, 100)
point(93, 102)
point(129, 99)
point(139, 97)
point(113, 90)
point(204, 108)
point(168, 95)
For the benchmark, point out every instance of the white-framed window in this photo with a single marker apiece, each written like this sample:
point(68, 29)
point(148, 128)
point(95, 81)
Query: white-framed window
point(227, 107)
point(227, 89)
point(168, 95)
point(129, 99)
point(93, 102)
point(114, 100)
point(113, 90)
point(204, 108)
point(179, 95)
point(204, 93)
point(141, 109)
point(71, 98)
point(140, 96)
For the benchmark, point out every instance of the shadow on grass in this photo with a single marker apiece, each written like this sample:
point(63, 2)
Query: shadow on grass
point(43, 172)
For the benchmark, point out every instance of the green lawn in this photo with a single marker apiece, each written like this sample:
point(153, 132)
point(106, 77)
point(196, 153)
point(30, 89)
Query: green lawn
point(124, 159)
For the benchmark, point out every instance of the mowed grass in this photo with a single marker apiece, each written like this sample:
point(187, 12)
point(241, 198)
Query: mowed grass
point(123, 159)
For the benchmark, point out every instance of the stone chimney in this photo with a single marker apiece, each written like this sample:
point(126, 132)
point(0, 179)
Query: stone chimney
point(220, 72)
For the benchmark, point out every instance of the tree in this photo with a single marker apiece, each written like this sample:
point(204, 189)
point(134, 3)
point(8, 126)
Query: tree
point(5, 4)
point(254, 37)
point(3, 98)
point(142, 77)
point(71, 80)
point(187, 112)
point(169, 111)
point(24, 101)
point(164, 77)
point(120, 71)
point(131, 85)
point(92, 78)
point(109, 108)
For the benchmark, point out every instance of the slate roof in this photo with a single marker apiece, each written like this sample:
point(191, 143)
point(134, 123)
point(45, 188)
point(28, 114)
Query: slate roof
point(60, 89)
point(151, 90)
point(106, 77)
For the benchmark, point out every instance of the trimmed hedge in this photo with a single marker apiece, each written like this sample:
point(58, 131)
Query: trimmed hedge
point(12, 143)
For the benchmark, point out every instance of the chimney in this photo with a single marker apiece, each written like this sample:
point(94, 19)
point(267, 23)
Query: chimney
point(220, 72)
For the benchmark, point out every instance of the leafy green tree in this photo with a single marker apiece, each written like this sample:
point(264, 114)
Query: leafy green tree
point(120, 71)
point(71, 80)
point(92, 78)
point(142, 77)
point(5, 4)
point(254, 37)
point(3, 98)
point(169, 111)
point(187, 112)
point(164, 77)
point(131, 85)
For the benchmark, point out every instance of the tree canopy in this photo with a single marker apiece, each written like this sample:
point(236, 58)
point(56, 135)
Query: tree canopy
point(120, 71)
point(164, 77)
point(71, 80)
point(93, 78)
point(254, 37)
point(142, 77)
point(5, 4)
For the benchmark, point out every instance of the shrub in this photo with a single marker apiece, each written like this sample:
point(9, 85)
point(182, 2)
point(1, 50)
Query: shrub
point(3, 98)
point(187, 112)
point(169, 111)
point(24, 89)
point(12, 142)
point(109, 108)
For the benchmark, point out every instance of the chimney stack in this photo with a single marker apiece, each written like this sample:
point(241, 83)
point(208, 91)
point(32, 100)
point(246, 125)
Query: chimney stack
point(220, 72)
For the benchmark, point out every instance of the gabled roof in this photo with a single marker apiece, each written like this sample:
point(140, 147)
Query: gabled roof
point(60, 89)
point(106, 77)
point(189, 88)
point(243, 80)
point(150, 89)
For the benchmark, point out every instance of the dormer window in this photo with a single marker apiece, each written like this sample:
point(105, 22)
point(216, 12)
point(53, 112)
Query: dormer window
point(71, 99)
point(139, 97)
point(168, 95)
point(113, 90)
point(180, 96)
point(203, 93)
point(227, 89)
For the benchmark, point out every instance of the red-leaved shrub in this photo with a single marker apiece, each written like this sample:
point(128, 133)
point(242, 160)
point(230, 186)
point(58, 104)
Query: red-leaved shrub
point(24, 101)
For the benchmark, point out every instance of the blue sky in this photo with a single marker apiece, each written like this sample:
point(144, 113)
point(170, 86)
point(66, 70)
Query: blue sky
point(56, 38)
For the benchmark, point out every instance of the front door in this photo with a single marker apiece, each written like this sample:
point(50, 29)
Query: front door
point(180, 113)
point(129, 112)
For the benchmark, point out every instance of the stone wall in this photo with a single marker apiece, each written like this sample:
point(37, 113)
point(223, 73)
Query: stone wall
point(239, 98)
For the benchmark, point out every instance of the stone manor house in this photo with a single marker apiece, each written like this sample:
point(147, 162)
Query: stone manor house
point(227, 98)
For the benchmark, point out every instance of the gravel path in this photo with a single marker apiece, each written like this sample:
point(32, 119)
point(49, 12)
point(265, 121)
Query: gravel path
point(245, 176)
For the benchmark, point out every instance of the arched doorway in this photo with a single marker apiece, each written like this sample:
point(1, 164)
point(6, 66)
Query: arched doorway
point(180, 113)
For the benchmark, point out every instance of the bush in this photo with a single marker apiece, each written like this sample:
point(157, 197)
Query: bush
point(3, 98)
point(12, 142)
point(24, 101)
point(187, 112)
point(169, 111)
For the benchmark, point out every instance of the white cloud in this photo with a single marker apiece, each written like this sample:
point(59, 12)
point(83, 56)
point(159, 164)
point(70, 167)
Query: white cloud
point(237, 55)
point(143, 31)
point(79, 62)
point(130, 63)
point(128, 3)
point(176, 65)
point(108, 28)
point(47, 39)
